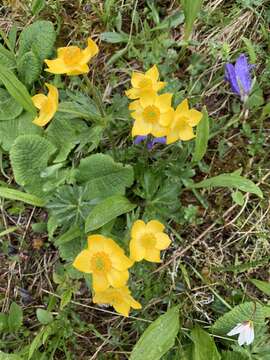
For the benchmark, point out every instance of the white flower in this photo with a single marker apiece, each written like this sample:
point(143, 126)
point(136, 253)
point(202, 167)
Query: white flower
point(245, 331)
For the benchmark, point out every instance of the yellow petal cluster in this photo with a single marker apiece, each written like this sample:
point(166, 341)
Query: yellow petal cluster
point(106, 261)
point(120, 299)
point(47, 105)
point(147, 240)
point(71, 60)
point(109, 265)
point(144, 82)
point(154, 115)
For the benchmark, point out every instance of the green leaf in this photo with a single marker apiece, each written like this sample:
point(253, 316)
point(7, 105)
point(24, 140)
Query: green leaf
point(65, 135)
point(36, 343)
point(11, 129)
point(44, 316)
point(204, 347)
point(106, 211)
point(15, 317)
point(17, 195)
point(114, 37)
point(37, 6)
point(29, 68)
point(264, 286)
point(39, 38)
point(250, 49)
point(231, 180)
point(73, 233)
point(6, 356)
point(244, 312)
point(66, 298)
point(7, 59)
point(202, 137)
point(191, 10)
point(238, 198)
point(103, 176)
point(230, 355)
point(9, 108)
point(158, 338)
point(29, 155)
point(16, 89)
point(3, 322)
point(73, 110)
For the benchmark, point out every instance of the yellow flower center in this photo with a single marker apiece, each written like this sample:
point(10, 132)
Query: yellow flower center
point(100, 262)
point(72, 55)
point(148, 241)
point(145, 83)
point(151, 114)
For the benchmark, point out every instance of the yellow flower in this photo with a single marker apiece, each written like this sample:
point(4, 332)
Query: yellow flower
point(141, 82)
point(47, 105)
point(106, 261)
point(152, 113)
point(71, 60)
point(120, 299)
point(183, 122)
point(147, 240)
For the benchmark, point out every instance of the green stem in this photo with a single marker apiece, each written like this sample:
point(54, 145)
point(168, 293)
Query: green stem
point(96, 95)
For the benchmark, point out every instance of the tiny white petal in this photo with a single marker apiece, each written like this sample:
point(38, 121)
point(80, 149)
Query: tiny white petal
point(236, 330)
point(250, 335)
point(242, 337)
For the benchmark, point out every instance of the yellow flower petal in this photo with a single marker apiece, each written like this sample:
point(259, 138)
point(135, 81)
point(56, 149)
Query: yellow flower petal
point(148, 97)
point(153, 73)
point(163, 241)
point(154, 226)
point(167, 117)
point(39, 100)
point(78, 70)
point(134, 105)
point(172, 137)
point(185, 132)
point(194, 117)
point(82, 262)
point(138, 228)
point(158, 131)
point(152, 255)
point(53, 96)
point(96, 243)
point(134, 304)
point(137, 252)
point(122, 308)
point(89, 52)
point(182, 107)
point(118, 279)
point(140, 127)
point(163, 102)
point(159, 85)
point(56, 66)
point(132, 93)
point(100, 282)
point(43, 119)
point(136, 78)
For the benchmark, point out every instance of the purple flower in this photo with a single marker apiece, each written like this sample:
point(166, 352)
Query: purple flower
point(239, 77)
point(150, 143)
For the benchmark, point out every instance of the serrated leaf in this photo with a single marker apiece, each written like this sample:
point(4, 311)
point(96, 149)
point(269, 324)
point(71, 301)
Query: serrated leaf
point(240, 313)
point(233, 181)
point(15, 317)
point(202, 137)
point(17, 89)
point(204, 347)
point(29, 155)
point(9, 108)
point(29, 68)
point(264, 286)
point(158, 338)
point(11, 129)
point(17, 195)
point(106, 211)
point(39, 38)
point(44, 316)
point(103, 176)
